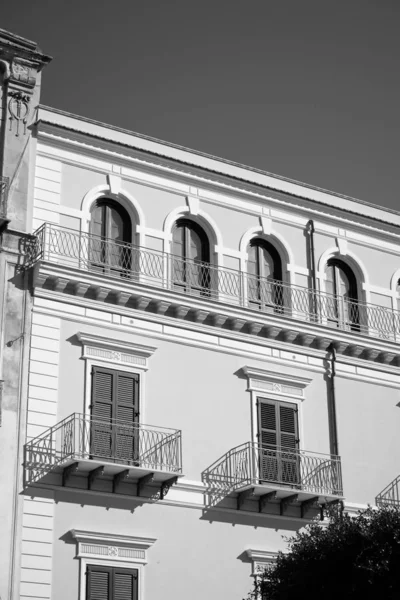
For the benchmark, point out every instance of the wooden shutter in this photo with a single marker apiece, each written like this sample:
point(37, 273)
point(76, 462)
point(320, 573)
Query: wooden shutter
point(102, 412)
point(278, 439)
point(115, 410)
point(111, 583)
point(127, 413)
point(277, 423)
point(267, 423)
point(125, 583)
point(99, 583)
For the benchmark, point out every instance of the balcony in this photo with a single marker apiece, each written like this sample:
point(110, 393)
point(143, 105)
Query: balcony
point(113, 456)
point(390, 496)
point(136, 270)
point(280, 481)
point(4, 187)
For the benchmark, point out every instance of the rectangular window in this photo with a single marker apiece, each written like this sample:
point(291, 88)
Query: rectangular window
point(111, 583)
point(278, 437)
point(114, 415)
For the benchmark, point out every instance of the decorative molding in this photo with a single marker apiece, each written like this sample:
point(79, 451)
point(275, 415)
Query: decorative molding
point(112, 547)
point(193, 204)
point(115, 183)
point(276, 383)
point(266, 225)
point(111, 550)
point(115, 351)
point(261, 559)
point(18, 107)
point(342, 245)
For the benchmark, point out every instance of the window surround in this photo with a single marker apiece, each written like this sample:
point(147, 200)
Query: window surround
point(271, 385)
point(281, 384)
point(260, 559)
point(115, 354)
point(105, 549)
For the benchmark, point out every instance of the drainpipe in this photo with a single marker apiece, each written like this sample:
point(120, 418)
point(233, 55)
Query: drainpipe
point(335, 444)
point(311, 230)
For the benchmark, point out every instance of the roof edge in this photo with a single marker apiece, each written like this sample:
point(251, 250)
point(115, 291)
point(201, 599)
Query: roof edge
point(333, 195)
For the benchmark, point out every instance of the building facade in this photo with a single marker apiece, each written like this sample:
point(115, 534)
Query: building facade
point(213, 360)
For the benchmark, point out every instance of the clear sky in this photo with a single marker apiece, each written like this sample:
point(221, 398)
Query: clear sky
point(307, 89)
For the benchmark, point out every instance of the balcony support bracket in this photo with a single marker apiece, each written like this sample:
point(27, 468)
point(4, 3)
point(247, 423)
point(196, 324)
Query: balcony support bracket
point(243, 496)
point(306, 504)
point(288, 500)
point(68, 471)
point(93, 475)
point(326, 505)
point(264, 499)
point(118, 478)
point(142, 482)
point(166, 485)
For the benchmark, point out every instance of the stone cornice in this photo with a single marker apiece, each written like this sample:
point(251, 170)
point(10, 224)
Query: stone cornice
point(170, 306)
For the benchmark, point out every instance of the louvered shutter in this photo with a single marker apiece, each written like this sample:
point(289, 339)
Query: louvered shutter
point(102, 412)
point(125, 584)
point(278, 439)
point(126, 412)
point(289, 443)
point(99, 583)
point(267, 435)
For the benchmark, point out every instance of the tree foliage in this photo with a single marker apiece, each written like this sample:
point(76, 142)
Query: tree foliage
point(349, 558)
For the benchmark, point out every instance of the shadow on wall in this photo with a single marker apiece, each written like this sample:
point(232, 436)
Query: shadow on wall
point(253, 520)
point(72, 497)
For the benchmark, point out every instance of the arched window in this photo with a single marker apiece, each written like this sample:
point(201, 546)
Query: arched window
point(342, 302)
point(191, 257)
point(110, 236)
point(264, 275)
point(398, 294)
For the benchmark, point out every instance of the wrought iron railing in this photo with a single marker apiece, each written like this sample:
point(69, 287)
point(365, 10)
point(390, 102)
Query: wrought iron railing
point(81, 437)
point(253, 464)
point(125, 261)
point(4, 186)
point(390, 495)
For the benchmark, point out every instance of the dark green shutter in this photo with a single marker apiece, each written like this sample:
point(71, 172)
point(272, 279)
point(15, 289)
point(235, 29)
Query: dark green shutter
point(102, 412)
point(278, 439)
point(267, 423)
point(126, 411)
point(125, 584)
point(99, 584)
point(115, 410)
point(111, 583)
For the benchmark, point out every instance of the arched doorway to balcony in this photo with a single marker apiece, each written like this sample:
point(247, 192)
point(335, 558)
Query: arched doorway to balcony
point(342, 305)
point(264, 276)
point(110, 236)
point(190, 259)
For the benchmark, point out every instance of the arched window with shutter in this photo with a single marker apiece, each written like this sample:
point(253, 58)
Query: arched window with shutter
point(190, 258)
point(110, 236)
point(264, 276)
point(342, 297)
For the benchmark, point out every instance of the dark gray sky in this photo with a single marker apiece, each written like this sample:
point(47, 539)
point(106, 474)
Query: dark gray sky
point(307, 89)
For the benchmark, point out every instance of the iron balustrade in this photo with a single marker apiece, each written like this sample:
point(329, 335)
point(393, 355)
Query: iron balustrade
point(125, 261)
point(81, 437)
point(390, 495)
point(252, 464)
